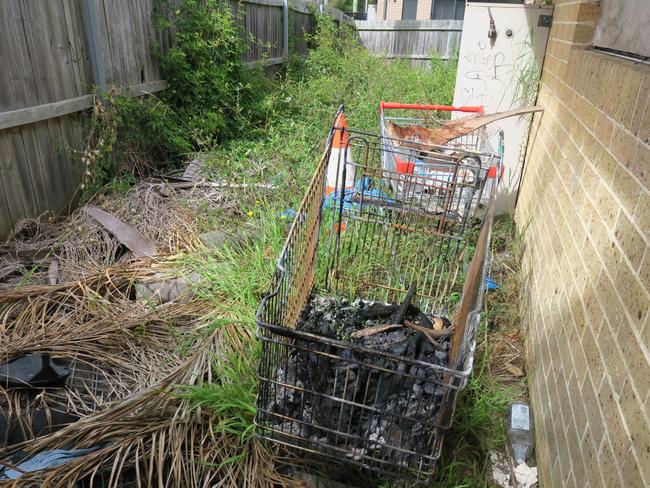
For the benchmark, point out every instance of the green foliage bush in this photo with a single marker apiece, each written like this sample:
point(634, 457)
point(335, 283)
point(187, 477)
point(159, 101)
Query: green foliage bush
point(130, 137)
point(300, 109)
point(150, 131)
point(255, 127)
point(208, 86)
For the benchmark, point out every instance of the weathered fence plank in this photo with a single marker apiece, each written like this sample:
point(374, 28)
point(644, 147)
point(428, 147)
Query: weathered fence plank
point(46, 82)
point(417, 40)
point(301, 24)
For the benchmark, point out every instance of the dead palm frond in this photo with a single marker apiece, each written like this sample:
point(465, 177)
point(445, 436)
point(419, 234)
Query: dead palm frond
point(160, 438)
point(113, 344)
point(79, 246)
point(133, 363)
point(428, 138)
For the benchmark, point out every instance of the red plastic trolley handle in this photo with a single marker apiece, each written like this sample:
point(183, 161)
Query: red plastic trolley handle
point(446, 108)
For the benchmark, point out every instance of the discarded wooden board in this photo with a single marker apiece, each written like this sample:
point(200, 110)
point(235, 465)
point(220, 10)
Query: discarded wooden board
point(127, 234)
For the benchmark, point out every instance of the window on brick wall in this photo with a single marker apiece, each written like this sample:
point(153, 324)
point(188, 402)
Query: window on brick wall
point(624, 28)
point(448, 9)
point(410, 9)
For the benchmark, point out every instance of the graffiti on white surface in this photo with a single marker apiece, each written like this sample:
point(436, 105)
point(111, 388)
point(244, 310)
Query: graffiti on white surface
point(487, 73)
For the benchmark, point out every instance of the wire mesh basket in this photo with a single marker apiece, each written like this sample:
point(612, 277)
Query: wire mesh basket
point(360, 238)
point(408, 156)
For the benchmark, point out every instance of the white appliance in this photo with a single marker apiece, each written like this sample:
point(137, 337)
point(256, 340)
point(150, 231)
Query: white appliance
point(499, 65)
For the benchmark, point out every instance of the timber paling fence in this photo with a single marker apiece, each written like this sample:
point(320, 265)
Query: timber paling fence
point(54, 52)
point(419, 41)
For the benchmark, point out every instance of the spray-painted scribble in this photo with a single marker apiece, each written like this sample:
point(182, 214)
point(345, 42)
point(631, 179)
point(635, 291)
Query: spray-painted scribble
point(488, 73)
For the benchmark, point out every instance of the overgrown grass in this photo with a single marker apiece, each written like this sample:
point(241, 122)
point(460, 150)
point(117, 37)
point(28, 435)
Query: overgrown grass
point(232, 398)
point(478, 427)
point(299, 112)
point(480, 420)
point(284, 151)
point(234, 278)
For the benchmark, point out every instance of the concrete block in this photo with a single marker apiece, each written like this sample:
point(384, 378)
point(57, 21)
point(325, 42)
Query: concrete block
point(574, 446)
point(603, 128)
point(580, 364)
point(627, 91)
point(610, 302)
point(642, 213)
point(631, 470)
point(565, 463)
point(624, 147)
point(579, 407)
point(644, 271)
point(595, 423)
point(594, 313)
point(636, 358)
point(640, 165)
point(612, 356)
point(606, 165)
point(626, 188)
point(634, 413)
point(641, 104)
point(594, 359)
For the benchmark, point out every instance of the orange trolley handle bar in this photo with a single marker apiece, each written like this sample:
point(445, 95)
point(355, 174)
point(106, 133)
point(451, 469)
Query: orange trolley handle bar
point(446, 108)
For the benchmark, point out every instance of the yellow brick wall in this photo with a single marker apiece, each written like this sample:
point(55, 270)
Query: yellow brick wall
point(424, 10)
point(394, 9)
point(584, 206)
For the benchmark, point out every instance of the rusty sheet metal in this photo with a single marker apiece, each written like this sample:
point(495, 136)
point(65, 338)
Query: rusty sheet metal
point(304, 236)
point(471, 289)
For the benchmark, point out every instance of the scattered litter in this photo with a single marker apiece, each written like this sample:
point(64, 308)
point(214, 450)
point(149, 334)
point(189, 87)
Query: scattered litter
point(127, 234)
point(168, 188)
point(490, 284)
point(53, 272)
point(501, 469)
point(161, 288)
point(111, 344)
point(525, 476)
point(83, 247)
point(521, 438)
point(288, 214)
point(516, 371)
point(155, 427)
point(46, 460)
point(505, 476)
point(194, 170)
point(34, 370)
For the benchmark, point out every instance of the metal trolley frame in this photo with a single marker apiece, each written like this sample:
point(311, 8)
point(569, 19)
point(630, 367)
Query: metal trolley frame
point(369, 242)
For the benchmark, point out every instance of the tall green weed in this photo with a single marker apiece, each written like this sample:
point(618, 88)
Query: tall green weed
point(299, 111)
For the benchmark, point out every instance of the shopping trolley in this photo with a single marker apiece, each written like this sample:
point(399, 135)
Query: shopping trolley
point(367, 240)
point(412, 157)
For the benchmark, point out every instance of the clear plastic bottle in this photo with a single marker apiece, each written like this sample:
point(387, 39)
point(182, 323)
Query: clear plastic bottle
point(521, 434)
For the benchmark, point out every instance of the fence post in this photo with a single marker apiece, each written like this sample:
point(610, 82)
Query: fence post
point(285, 30)
point(92, 35)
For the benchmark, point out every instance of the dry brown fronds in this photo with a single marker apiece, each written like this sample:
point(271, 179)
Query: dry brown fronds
point(129, 359)
point(157, 438)
point(114, 344)
point(81, 247)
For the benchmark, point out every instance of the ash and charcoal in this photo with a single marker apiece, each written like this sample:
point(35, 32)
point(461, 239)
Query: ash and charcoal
point(368, 404)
